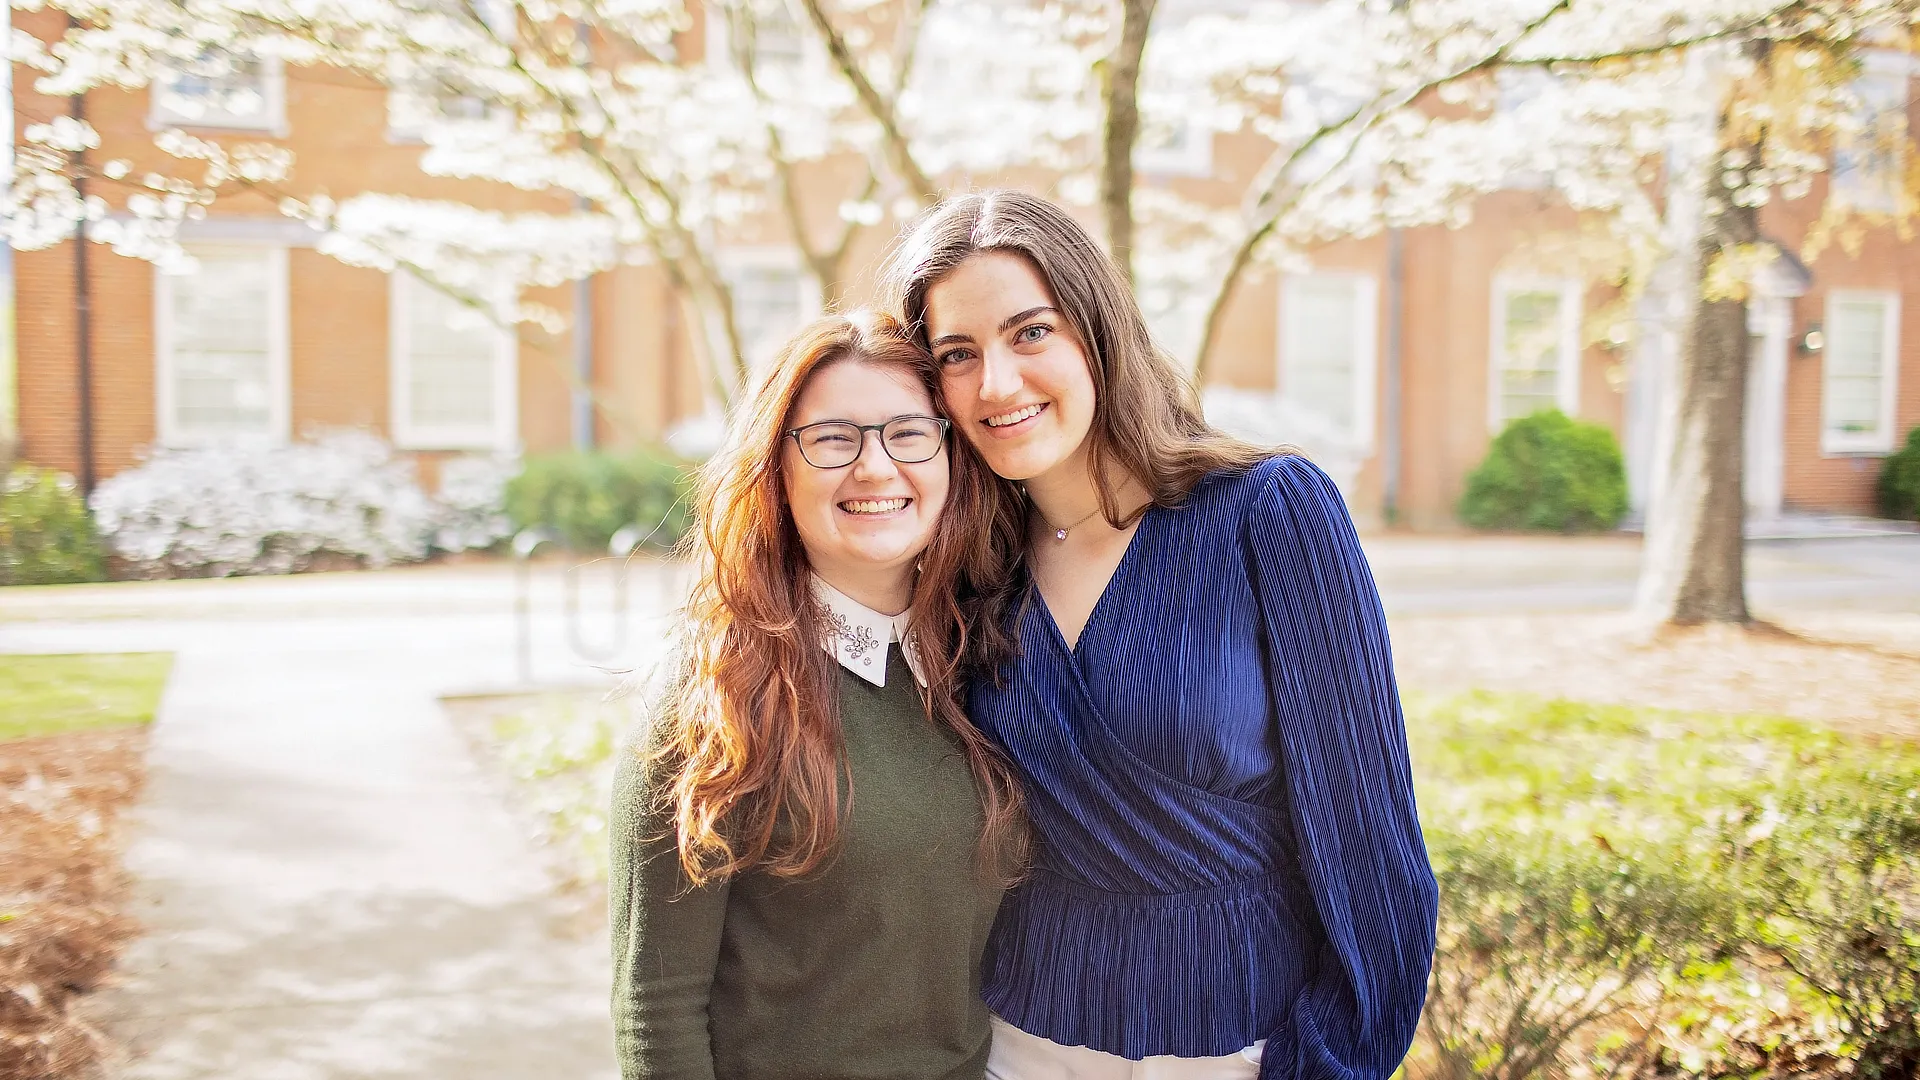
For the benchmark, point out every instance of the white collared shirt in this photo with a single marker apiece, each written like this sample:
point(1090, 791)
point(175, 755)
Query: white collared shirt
point(858, 636)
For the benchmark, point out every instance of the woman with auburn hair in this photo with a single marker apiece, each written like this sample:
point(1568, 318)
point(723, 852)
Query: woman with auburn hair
point(811, 841)
point(1193, 682)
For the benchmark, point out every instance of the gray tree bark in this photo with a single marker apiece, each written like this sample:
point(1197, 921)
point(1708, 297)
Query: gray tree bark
point(1694, 568)
point(1121, 90)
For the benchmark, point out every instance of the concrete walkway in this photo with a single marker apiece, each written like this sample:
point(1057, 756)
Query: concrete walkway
point(329, 886)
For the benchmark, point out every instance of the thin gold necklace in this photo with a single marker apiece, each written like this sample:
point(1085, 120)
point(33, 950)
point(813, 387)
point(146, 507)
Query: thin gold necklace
point(1061, 533)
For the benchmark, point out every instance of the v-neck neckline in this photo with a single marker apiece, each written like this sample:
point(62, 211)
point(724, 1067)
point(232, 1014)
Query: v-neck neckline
point(1100, 603)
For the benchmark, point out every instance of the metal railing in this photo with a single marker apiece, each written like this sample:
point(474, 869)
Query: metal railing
point(619, 551)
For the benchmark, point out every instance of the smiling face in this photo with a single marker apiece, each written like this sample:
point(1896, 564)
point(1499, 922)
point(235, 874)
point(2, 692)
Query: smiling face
point(1011, 368)
point(863, 524)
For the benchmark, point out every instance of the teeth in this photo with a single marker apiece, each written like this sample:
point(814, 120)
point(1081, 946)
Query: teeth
point(873, 506)
point(1014, 417)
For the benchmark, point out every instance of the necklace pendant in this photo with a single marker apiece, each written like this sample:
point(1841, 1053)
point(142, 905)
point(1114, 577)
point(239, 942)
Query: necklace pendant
point(1060, 535)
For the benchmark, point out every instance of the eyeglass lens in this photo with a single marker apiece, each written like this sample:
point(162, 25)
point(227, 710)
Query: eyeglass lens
point(906, 439)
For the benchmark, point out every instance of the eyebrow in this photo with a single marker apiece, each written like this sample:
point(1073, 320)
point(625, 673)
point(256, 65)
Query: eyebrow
point(1006, 324)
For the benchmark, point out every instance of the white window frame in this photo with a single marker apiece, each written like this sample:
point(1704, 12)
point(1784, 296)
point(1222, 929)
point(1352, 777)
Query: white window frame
point(1190, 154)
point(279, 352)
point(500, 16)
point(1512, 88)
point(1836, 443)
point(1366, 346)
point(718, 46)
point(771, 257)
point(272, 119)
point(1567, 377)
point(1873, 193)
point(503, 434)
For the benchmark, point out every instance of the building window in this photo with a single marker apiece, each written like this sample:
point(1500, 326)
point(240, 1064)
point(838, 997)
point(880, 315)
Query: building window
point(418, 103)
point(1862, 361)
point(222, 90)
point(1515, 92)
point(454, 371)
point(771, 298)
point(221, 332)
point(1536, 349)
point(1869, 164)
point(1327, 349)
point(1182, 147)
point(768, 40)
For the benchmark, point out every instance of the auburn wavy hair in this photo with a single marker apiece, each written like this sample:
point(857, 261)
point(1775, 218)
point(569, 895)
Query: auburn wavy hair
point(750, 756)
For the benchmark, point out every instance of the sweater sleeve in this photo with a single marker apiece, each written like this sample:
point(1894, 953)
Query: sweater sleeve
point(1344, 746)
point(666, 939)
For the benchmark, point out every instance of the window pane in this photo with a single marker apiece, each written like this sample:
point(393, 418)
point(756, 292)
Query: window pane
point(1855, 366)
point(1867, 165)
point(450, 363)
point(1320, 346)
point(1530, 359)
point(217, 88)
point(766, 308)
point(222, 344)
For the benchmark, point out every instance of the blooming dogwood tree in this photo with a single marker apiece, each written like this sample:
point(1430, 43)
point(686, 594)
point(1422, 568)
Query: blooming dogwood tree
point(663, 131)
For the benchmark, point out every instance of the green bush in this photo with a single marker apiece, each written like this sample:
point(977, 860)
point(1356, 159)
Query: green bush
point(587, 497)
point(1636, 893)
point(46, 536)
point(1548, 472)
point(1899, 488)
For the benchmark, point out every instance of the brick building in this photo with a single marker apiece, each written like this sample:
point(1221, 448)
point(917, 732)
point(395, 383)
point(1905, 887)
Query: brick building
point(271, 338)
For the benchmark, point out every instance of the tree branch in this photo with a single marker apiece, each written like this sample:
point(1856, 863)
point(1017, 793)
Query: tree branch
point(899, 151)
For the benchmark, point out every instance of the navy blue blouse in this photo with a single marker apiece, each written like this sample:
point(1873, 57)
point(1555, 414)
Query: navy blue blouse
point(1226, 843)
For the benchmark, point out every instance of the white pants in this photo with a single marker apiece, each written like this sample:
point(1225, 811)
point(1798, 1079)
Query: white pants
point(1018, 1055)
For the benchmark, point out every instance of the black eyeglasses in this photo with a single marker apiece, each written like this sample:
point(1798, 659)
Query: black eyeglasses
point(836, 444)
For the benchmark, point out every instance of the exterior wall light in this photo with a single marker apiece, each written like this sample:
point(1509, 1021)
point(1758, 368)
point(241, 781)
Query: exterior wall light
point(1814, 341)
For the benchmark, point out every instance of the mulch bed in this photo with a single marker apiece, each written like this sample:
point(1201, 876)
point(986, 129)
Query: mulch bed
point(61, 891)
point(1856, 672)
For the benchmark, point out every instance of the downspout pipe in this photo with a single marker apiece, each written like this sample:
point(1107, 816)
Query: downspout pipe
point(583, 364)
point(82, 310)
point(9, 334)
point(1391, 378)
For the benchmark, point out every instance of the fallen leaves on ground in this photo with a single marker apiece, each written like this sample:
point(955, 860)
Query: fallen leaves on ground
point(60, 891)
point(1859, 673)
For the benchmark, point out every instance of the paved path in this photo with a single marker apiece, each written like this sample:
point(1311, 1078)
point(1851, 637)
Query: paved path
point(330, 887)
point(332, 890)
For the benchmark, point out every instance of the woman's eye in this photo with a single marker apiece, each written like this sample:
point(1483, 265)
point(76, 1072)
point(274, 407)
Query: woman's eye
point(1030, 334)
point(957, 356)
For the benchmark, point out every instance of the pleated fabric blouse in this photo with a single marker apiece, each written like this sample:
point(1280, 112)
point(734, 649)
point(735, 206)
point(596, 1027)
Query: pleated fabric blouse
point(1227, 848)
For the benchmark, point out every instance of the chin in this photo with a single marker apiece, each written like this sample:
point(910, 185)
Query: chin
point(1024, 465)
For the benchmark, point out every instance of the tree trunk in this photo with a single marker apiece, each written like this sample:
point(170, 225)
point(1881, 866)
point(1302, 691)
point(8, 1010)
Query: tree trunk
point(1122, 130)
point(1694, 568)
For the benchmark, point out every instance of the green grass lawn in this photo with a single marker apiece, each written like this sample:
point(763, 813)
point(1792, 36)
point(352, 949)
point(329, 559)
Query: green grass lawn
point(47, 695)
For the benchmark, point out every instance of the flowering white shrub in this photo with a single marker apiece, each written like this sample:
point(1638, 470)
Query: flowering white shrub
point(1271, 419)
point(250, 509)
point(471, 503)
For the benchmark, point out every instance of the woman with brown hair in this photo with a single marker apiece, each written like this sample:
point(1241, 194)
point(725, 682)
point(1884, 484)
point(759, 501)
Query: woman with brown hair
point(1189, 671)
point(810, 844)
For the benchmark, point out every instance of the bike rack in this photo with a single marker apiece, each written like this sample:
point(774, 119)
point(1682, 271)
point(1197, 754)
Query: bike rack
point(525, 544)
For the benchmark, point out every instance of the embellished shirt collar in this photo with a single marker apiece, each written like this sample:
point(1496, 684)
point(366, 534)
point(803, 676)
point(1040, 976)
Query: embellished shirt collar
point(858, 636)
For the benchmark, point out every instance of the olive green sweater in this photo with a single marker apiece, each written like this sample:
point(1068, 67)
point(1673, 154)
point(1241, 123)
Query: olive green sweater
point(868, 969)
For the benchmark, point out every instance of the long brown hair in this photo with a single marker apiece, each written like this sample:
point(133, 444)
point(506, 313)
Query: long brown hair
point(751, 751)
point(1147, 425)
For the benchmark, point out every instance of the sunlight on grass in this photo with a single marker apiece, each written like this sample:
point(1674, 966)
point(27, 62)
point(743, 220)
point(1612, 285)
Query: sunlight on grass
point(47, 695)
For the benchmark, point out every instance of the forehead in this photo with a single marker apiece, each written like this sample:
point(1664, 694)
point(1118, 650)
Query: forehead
point(863, 392)
point(982, 290)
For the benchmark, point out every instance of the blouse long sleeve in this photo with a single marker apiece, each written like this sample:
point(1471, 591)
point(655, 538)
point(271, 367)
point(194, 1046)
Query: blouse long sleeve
point(666, 940)
point(1344, 743)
